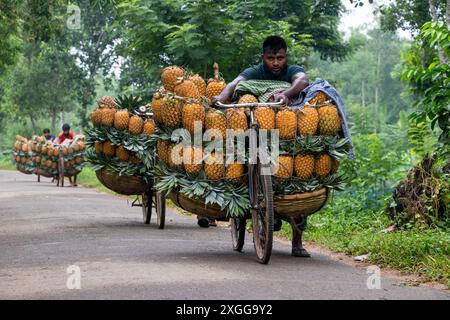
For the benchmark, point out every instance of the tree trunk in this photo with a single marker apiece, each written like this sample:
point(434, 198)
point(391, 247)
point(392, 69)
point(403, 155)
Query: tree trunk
point(53, 119)
point(447, 13)
point(33, 123)
point(377, 82)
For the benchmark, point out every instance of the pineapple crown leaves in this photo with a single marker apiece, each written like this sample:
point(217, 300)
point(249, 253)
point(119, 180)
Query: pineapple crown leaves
point(130, 102)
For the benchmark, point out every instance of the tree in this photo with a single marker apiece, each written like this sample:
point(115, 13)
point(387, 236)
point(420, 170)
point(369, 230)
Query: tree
point(197, 33)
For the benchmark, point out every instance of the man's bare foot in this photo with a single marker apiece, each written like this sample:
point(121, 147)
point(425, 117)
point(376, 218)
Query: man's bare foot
point(300, 252)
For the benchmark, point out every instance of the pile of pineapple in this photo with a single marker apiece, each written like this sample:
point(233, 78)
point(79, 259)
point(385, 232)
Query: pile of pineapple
point(120, 137)
point(45, 155)
point(22, 155)
point(311, 142)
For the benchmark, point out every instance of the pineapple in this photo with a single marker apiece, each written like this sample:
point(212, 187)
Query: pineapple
point(136, 125)
point(78, 160)
point(170, 75)
point(334, 165)
point(214, 166)
point(192, 159)
point(175, 155)
point(286, 122)
point(237, 121)
point(107, 102)
point(199, 83)
point(215, 86)
point(162, 147)
point(135, 159)
point(149, 127)
point(172, 111)
point(56, 152)
point(248, 98)
point(319, 98)
point(216, 121)
point(329, 120)
point(234, 172)
point(109, 149)
point(121, 119)
point(107, 116)
point(122, 154)
point(96, 117)
point(322, 165)
point(193, 112)
point(285, 167)
point(157, 106)
point(186, 89)
point(308, 120)
point(304, 166)
point(265, 117)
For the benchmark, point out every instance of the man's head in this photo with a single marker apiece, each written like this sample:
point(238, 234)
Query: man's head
point(274, 54)
point(66, 129)
point(46, 132)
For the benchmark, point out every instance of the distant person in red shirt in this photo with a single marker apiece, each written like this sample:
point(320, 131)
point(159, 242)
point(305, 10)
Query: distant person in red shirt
point(66, 134)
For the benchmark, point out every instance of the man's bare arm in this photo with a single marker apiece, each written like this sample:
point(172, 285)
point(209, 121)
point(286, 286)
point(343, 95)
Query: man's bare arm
point(228, 91)
point(299, 82)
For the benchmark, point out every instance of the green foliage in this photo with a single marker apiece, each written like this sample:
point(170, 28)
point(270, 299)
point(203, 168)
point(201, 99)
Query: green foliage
point(431, 83)
point(421, 251)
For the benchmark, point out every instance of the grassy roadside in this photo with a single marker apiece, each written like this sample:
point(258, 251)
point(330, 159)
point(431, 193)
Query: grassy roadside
point(423, 252)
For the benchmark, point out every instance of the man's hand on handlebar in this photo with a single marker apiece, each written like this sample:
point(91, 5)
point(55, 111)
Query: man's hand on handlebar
point(280, 96)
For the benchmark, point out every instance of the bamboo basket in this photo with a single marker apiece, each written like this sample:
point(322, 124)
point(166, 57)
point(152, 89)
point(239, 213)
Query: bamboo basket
point(300, 205)
point(197, 206)
point(126, 185)
point(24, 171)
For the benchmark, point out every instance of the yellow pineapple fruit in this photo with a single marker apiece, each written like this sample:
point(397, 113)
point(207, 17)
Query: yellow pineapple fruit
point(193, 112)
point(334, 165)
point(121, 119)
point(162, 147)
point(215, 86)
point(108, 116)
point(286, 123)
point(214, 166)
point(304, 166)
point(265, 117)
point(237, 121)
point(322, 165)
point(136, 125)
point(109, 149)
point(172, 111)
point(216, 122)
point(192, 159)
point(319, 98)
point(284, 166)
point(175, 155)
point(329, 120)
point(186, 89)
point(96, 117)
point(149, 127)
point(308, 120)
point(122, 154)
point(170, 75)
point(199, 83)
point(157, 106)
point(234, 172)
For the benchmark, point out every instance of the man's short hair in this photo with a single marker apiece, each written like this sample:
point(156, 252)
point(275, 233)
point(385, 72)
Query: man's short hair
point(273, 44)
point(46, 130)
point(65, 127)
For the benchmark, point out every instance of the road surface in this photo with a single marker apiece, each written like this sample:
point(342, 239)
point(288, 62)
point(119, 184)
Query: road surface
point(44, 230)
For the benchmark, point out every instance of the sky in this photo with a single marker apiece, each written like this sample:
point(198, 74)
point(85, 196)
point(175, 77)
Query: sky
point(360, 16)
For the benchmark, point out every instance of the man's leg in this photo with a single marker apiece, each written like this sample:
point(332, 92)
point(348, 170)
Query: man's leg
point(298, 226)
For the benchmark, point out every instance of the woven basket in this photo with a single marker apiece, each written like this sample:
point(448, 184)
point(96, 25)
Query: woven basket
point(43, 173)
point(126, 185)
point(24, 171)
point(197, 206)
point(300, 205)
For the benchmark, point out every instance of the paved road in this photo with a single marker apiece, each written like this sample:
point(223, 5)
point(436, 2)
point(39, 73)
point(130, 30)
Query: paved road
point(45, 229)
